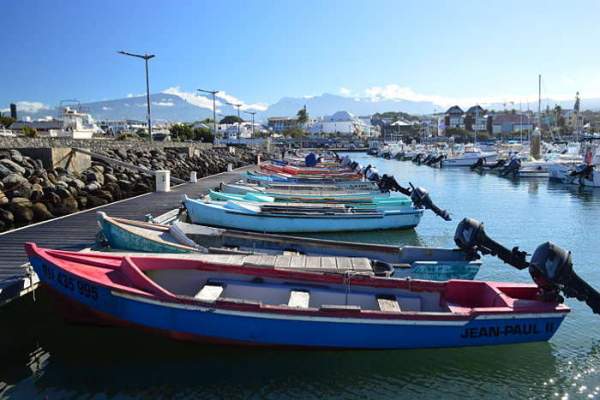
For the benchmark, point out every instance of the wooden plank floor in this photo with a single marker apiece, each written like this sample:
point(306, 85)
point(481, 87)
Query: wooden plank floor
point(78, 231)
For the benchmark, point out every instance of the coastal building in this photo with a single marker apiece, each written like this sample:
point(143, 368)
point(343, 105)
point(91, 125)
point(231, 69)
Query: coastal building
point(341, 123)
point(281, 124)
point(475, 119)
point(507, 123)
point(454, 118)
point(43, 127)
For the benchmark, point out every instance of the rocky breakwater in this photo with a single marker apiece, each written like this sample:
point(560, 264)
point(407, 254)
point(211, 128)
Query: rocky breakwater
point(31, 193)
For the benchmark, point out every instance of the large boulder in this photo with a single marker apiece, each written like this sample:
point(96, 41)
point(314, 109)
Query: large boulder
point(13, 166)
point(21, 208)
point(41, 212)
point(16, 156)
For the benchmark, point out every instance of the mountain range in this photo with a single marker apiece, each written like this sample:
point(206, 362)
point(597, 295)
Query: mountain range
point(174, 107)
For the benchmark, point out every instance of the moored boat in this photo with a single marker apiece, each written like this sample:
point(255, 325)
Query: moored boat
point(275, 219)
point(206, 301)
point(408, 261)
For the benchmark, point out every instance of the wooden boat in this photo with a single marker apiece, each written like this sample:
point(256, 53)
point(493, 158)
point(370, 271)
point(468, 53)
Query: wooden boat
point(303, 191)
point(273, 180)
point(193, 300)
point(387, 203)
point(408, 261)
point(338, 173)
point(277, 219)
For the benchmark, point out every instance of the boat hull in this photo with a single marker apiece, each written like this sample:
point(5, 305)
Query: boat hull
point(217, 215)
point(240, 327)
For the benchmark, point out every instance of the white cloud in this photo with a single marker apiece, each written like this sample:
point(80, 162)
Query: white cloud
point(396, 92)
point(163, 103)
point(105, 108)
point(28, 107)
point(192, 98)
point(345, 92)
point(206, 102)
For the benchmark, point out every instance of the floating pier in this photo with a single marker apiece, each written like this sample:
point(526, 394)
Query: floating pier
point(78, 231)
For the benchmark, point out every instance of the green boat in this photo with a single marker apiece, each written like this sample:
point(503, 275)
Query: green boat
point(375, 203)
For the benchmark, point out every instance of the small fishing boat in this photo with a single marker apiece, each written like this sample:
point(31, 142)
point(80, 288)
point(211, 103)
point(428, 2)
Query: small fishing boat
point(281, 219)
point(259, 177)
point(309, 192)
point(187, 299)
point(468, 158)
point(340, 173)
point(315, 188)
point(409, 261)
point(387, 203)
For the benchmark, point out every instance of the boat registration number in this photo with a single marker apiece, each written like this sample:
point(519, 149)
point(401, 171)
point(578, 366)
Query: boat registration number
point(74, 285)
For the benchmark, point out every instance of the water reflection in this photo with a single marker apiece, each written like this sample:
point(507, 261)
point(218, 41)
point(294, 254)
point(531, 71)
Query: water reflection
point(81, 361)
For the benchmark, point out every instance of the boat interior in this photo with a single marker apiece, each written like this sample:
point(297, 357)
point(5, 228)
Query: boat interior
point(209, 282)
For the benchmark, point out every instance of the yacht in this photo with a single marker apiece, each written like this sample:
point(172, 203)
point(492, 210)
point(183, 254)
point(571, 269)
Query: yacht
point(76, 125)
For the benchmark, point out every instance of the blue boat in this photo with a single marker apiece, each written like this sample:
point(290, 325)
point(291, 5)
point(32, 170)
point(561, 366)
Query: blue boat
point(276, 219)
point(202, 301)
point(409, 261)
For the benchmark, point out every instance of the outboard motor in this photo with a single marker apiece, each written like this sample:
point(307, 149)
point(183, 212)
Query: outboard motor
point(480, 163)
point(420, 198)
point(471, 237)
point(434, 160)
point(498, 164)
point(550, 267)
point(582, 170)
point(388, 183)
point(512, 168)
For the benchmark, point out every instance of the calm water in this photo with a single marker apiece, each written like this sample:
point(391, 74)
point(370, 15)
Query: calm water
point(41, 357)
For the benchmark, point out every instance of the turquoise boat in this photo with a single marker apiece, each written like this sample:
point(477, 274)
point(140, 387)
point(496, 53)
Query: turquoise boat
point(388, 203)
point(273, 218)
point(304, 191)
point(429, 263)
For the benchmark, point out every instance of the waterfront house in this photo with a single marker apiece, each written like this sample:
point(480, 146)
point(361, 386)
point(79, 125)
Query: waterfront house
point(475, 119)
point(281, 124)
point(507, 123)
point(454, 118)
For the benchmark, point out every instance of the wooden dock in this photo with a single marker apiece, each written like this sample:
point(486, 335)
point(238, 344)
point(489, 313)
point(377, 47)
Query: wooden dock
point(78, 231)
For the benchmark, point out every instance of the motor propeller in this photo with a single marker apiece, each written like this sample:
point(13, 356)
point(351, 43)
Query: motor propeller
point(419, 196)
point(550, 267)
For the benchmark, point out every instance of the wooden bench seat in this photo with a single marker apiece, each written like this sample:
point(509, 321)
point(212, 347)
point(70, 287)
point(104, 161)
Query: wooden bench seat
point(388, 304)
point(209, 293)
point(299, 298)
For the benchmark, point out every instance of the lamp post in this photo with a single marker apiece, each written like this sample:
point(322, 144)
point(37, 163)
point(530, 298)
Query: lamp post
point(144, 57)
point(213, 92)
point(238, 110)
point(251, 113)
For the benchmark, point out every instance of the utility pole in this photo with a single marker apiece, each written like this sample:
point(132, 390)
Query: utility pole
point(213, 92)
point(238, 110)
point(251, 113)
point(144, 57)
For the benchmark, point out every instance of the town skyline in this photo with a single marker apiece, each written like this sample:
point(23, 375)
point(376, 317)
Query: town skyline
point(428, 54)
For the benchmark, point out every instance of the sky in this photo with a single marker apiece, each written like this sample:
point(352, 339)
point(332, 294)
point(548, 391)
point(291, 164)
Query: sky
point(257, 52)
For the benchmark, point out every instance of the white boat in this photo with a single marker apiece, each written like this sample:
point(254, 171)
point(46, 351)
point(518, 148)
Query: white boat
point(76, 125)
point(469, 157)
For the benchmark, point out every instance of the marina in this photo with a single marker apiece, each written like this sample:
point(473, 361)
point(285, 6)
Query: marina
point(299, 200)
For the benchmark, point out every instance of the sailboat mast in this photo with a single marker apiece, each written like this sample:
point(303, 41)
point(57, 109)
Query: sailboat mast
point(540, 100)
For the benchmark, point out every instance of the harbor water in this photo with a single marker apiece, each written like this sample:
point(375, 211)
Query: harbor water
point(41, 356)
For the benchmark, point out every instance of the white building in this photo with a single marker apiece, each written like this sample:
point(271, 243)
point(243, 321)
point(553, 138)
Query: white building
point(343, 123)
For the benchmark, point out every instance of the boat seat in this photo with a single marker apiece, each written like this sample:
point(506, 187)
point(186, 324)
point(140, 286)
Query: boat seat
point(299, 298)
point(209, 293)
point(388, 303)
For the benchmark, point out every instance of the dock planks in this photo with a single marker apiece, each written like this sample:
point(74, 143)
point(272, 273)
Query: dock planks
point(78, 231)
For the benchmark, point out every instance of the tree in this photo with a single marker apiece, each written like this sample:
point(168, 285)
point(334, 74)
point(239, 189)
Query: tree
point(203, 135)
point(302, 116)
point(231, 119)
point(29, 132)
point(181, 132)
point(6, 121)
point(295, 133)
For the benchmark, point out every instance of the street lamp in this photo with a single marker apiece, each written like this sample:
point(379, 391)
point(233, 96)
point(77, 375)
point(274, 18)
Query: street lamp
point(213, 92)
point(251, 113)
point(239, 118)
point(144, 57)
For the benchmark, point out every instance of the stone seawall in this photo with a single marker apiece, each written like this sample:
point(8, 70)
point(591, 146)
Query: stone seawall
point(94, 144)
point(34, 190)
